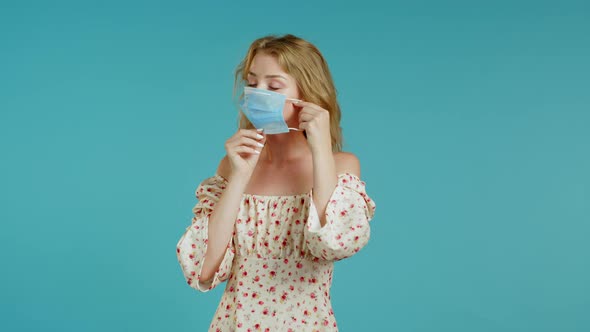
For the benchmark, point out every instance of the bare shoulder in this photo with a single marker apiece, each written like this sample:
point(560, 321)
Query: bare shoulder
point(224, 168)
point(347, 162)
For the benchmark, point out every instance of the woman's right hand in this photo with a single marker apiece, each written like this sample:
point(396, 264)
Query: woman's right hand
point(243, 150)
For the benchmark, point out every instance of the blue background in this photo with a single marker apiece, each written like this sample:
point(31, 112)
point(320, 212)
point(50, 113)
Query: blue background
point(471, 120)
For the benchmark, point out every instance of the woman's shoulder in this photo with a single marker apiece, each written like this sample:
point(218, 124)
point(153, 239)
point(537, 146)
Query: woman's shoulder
point(347, 162)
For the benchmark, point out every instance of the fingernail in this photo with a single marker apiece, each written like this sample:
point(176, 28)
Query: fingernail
point(259, 136)
point(257, 152)
point(260, 144)
point(260, 129)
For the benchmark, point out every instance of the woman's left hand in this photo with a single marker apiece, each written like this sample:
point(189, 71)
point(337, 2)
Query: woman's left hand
point(316, 123)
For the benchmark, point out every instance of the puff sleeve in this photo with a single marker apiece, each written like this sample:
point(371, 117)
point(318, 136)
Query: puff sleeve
point(192, 246)
point(348, 213)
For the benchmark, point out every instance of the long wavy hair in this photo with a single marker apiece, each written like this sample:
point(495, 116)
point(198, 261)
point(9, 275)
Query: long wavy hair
point(302, 60)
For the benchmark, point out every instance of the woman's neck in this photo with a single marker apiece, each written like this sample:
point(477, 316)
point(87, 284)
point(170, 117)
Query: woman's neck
point(284, 148)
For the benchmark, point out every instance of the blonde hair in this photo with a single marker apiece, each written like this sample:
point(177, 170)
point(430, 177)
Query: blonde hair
point(302, 60)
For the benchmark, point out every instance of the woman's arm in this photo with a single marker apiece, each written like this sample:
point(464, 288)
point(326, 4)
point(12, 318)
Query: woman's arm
point(222, 219)
point(324, 179)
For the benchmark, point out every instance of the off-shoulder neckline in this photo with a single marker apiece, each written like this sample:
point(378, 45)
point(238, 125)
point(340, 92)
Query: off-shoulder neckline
point(224, 180)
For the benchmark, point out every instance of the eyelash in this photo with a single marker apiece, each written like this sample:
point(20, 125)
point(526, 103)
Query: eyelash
point(270, 87)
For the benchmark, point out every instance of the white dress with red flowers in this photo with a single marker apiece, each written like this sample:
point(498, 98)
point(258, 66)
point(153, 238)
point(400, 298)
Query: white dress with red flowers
point(278, 264)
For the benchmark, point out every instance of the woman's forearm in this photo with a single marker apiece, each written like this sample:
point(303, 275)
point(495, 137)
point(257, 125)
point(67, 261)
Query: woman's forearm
point(325, 180)
point(221, 225)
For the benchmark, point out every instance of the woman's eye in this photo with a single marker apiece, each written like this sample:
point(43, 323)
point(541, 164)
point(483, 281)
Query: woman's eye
point(252, 85)
point(273, 88)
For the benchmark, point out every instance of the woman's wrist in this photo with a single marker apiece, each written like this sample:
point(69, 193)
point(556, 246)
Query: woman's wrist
point(239, 179)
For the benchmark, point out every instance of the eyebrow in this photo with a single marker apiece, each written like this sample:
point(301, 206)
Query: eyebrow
point(269, 76)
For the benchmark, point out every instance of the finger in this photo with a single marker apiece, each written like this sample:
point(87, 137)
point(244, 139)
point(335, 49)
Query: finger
point(305, 117)
point(238, 137)
point(302, 103)
point(244, 142)
point(247, 141)
point(252, 133)
point(246, 149)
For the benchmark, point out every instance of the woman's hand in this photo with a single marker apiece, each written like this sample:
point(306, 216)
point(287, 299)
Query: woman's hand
point(243, 150)
point(316, 123)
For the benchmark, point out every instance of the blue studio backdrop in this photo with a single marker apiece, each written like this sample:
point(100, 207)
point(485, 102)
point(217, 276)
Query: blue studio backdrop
point(471, 120)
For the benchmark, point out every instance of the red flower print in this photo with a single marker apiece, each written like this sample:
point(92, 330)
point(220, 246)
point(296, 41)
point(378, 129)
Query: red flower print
point(299, 265)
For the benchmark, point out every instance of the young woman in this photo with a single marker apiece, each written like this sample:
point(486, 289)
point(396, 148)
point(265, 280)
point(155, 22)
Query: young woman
point(284, 204)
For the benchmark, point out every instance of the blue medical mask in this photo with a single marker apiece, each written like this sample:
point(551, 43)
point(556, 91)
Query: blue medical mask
point(264, 109)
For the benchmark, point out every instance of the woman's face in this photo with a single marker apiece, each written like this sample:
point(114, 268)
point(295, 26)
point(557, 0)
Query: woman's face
point(265, 73)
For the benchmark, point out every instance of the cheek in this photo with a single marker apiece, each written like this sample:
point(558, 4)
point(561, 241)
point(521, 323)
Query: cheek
point(289, 112)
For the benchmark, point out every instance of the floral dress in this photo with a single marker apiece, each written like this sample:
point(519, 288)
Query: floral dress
point(278, 264)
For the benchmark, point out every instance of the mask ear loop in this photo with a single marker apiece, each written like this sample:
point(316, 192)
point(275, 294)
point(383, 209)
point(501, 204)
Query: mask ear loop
point(296, 101)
